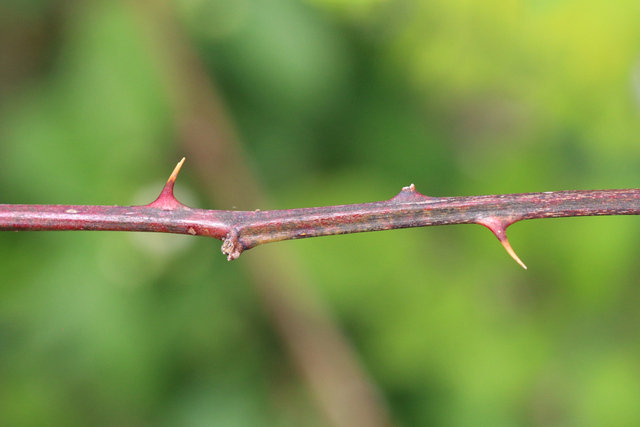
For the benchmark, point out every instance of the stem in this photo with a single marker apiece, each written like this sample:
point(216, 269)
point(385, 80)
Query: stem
point(183, 220)
point(242, 230)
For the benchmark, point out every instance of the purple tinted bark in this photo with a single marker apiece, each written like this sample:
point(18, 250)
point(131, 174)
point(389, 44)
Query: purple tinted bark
point(404, 211)
point(242, 230)
point(114, 218)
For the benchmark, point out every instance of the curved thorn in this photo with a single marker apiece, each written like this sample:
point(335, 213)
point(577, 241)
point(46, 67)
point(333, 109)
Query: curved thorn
point(166, 200)
point(499, 228)
point(511, 252)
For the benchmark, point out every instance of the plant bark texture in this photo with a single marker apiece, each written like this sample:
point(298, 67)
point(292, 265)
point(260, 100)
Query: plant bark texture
point(243, 230)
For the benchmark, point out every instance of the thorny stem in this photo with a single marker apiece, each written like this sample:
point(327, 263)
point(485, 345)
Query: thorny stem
point(242, 230)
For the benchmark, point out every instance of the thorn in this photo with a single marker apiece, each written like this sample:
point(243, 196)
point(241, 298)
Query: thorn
point(507, 246)
point(499, 229)
point(176, 170)
point(166, 200)
point(409, 194)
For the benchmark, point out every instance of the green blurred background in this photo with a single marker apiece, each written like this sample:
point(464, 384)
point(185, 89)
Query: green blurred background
point(326, 102)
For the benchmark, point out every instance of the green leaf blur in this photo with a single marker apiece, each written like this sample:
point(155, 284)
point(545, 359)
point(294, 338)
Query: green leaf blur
point(334, 101)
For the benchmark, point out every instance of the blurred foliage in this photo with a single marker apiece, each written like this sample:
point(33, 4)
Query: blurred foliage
point(335, 101)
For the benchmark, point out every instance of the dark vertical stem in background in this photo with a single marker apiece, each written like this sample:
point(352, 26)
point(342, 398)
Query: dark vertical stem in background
point(333, 372)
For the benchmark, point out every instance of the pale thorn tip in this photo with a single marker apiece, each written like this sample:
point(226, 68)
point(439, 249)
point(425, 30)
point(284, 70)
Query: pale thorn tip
point(176, 170)
point(511, 252)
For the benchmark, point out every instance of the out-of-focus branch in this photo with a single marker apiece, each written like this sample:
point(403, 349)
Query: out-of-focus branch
point(333, 372)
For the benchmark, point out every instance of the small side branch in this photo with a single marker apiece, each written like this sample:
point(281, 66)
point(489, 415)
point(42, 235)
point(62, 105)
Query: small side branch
point(243, 230)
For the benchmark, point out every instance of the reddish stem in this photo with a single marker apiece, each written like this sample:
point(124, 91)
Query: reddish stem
point(242, 230)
